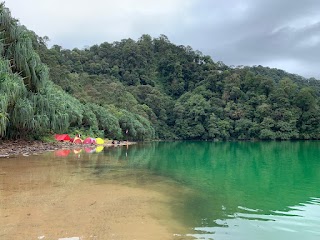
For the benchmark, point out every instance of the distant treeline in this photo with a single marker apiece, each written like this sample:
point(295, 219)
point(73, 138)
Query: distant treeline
point(145, 89)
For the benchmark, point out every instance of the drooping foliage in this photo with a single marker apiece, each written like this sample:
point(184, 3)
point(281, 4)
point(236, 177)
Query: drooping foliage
point(30, 104)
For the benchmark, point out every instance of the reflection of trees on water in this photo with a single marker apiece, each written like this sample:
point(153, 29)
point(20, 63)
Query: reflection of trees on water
point(221, 176)
point(264, 176)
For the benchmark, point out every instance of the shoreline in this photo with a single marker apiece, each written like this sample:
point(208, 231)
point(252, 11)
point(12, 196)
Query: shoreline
point(24, 147)
point(44, 199)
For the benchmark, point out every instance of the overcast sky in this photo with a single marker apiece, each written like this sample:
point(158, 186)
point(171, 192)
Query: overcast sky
point(283, 34)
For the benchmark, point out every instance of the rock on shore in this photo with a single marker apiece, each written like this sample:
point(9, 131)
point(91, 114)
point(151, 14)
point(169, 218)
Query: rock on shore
point(24, 147)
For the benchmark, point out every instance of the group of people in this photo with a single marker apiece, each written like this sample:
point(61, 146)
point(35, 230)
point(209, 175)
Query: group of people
point(114, 142)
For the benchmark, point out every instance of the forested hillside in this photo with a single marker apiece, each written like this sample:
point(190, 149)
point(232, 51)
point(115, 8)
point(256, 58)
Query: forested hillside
point(31, 105)
point(150, 87)
point(185, 94)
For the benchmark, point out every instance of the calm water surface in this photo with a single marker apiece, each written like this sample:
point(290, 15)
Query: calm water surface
point(232, 190)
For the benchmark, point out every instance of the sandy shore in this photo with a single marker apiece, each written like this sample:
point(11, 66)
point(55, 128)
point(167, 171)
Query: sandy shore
point(107, 211)
point(44, 199)
point(23, 147)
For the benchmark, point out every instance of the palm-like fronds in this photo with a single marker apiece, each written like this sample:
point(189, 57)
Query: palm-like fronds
point(29, 102)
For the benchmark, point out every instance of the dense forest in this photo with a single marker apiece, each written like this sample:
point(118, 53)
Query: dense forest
point(145, 89)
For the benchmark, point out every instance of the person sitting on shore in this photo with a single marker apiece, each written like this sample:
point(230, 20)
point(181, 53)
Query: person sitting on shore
point(77, 139)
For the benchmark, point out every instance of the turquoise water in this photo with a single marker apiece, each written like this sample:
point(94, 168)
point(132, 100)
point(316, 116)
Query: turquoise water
point(238, 190)
point(217, 190)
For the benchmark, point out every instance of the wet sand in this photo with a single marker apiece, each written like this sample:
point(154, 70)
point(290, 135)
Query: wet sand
point(50, 201)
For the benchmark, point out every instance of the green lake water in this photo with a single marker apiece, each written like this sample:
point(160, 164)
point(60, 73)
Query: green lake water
point(220, 190)
point(240, 190)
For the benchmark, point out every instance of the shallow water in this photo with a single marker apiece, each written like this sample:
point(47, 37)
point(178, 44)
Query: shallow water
point(207, 190)
point(241, 190)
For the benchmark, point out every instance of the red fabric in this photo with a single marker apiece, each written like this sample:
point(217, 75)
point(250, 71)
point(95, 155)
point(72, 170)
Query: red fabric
point(89, 141)
point(77, 140)
point(62, 137)
point(62, 152)
point(90, 150)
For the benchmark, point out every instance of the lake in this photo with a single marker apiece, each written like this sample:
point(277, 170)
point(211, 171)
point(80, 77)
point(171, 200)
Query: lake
point(195, 190)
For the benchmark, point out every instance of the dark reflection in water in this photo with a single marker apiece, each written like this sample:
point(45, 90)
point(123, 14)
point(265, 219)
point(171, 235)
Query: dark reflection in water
point(221, 190)
point(242, 190)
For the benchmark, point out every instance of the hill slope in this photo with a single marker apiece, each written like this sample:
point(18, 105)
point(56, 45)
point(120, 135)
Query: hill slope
point(185, 94)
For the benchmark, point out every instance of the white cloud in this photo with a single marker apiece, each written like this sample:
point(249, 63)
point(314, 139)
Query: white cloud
point(65, 21)
point(238, 32)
